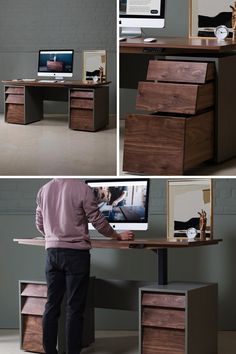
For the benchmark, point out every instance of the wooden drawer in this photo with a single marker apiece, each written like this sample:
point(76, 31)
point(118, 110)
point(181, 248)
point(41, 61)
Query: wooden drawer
point(17, 99)
point(14, 113)
point(80, 103)
point(82, 94)
point(34, 306)
point(179, 71)
point(174, 98)
point(32, 324)
point(166, 318)
point(15, 90)
point(163, 300)
point(32, 342)
point(37, 290)
point(167, 145)
point(162, 341)
point(82, 119)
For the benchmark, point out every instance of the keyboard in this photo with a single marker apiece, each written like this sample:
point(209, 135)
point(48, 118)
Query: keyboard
point(47, 81)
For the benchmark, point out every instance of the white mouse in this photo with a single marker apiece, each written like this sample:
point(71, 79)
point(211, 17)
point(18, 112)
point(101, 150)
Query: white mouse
point(149, 40)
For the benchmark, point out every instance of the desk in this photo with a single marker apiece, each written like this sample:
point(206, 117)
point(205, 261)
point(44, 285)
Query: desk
point(223, 56)
point(88, 103)
point(161, 306)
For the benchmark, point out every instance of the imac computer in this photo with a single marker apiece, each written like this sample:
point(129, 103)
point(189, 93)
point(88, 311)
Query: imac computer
point(55, 63)
point(138, 14)
point(124, 203)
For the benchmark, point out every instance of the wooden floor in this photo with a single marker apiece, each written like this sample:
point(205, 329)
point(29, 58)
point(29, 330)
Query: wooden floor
point(111, 342)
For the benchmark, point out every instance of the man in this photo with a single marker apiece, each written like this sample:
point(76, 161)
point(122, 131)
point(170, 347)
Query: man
point(64, 207)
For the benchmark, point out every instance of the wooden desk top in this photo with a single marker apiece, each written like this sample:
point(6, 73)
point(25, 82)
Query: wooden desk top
point(56, 83)
point(181, 43)
point(137, 244)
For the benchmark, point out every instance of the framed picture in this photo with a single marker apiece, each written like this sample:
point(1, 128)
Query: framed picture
point(206, 15)
point(95, 65)
point(188, 200)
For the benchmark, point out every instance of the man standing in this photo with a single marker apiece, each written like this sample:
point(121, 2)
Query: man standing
point(64, 207)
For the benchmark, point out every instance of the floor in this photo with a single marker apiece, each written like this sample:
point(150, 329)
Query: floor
point(49, 147)
point(227, 168)
point(111, 342)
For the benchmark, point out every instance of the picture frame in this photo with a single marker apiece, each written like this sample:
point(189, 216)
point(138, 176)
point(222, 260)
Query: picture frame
point(205, 16)
point(186, 198)
point(95, 65)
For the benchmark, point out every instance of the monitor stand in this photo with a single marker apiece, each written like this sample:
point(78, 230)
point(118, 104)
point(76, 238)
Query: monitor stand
point(131, 32)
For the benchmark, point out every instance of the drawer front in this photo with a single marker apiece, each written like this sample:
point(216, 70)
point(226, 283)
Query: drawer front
point(82, 94)
point(82, 119)
point(33, 342)
point(163, 300)
point(165, 318)
point(34, 306)
point(174, 98)
point(154, 145)
point(17, 99)
point(37, 290)
point(32, 324)
point(15, 90)
point(14, 113)
point(161, 341)
point(178, 71)
point(80, 103)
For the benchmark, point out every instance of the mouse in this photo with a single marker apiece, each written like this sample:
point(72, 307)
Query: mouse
point(149, 40)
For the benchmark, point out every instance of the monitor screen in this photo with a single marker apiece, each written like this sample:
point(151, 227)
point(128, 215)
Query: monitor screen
point(124, 203)
point(142, 13)
point(55, 63)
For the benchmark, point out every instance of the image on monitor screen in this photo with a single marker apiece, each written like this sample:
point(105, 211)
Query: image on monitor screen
point(124, 203)
point(55, 62)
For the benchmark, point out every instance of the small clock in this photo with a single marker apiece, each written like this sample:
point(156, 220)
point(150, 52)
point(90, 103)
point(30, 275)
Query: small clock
point(221, 32)
point(191, 233)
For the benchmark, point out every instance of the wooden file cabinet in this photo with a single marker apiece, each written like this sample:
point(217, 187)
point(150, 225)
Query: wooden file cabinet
point(33, 297)
point(89, 108)
point(14, 104)
point(176, 133)
point(179, 318)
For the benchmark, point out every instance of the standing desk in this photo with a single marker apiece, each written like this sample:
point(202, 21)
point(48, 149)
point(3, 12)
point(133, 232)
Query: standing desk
point(167, 312)
point(134, 60)
point(88, 102)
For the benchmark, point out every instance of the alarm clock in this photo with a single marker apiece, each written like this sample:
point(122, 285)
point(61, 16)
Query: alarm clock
point(191, 233)
point(221, 32)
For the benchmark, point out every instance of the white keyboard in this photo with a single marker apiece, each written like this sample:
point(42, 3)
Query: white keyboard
point(49, 81)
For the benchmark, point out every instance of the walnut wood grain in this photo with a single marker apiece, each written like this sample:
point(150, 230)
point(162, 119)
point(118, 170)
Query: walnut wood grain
point(15, 90)
point(14, 113)
point(199, 140)
point(36, 290)
point(174, 98)
point(163, 300)
point(32, 342)
point(81, 119)
point(162, 341)
point(82, 94)
point(17, 99)
point(53, 83)
point(165, 318)
point(32, 324)
point(180, 71)
point(154, 145)
point(34, 306)
point(80, 103)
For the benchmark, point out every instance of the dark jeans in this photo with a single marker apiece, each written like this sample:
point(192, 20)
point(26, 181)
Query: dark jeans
point(67, 270)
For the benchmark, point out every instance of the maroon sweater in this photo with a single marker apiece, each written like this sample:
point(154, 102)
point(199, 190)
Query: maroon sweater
point(64, 207)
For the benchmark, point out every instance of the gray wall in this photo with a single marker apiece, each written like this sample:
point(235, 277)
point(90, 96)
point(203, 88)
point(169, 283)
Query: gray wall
point(210, 264)
point(29, 25)
point(177, 22)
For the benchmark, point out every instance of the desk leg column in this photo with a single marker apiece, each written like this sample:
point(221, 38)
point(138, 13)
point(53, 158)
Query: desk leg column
point(162, 263)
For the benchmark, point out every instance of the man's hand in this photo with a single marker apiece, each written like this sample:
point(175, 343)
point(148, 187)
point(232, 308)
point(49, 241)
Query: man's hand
point(125, 236)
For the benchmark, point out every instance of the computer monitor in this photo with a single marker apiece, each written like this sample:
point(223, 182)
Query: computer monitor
point(137, 14)
point(55, 63)
point(124, 203)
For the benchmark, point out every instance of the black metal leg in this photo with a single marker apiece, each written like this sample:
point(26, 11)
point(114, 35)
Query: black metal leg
point(162, 266)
